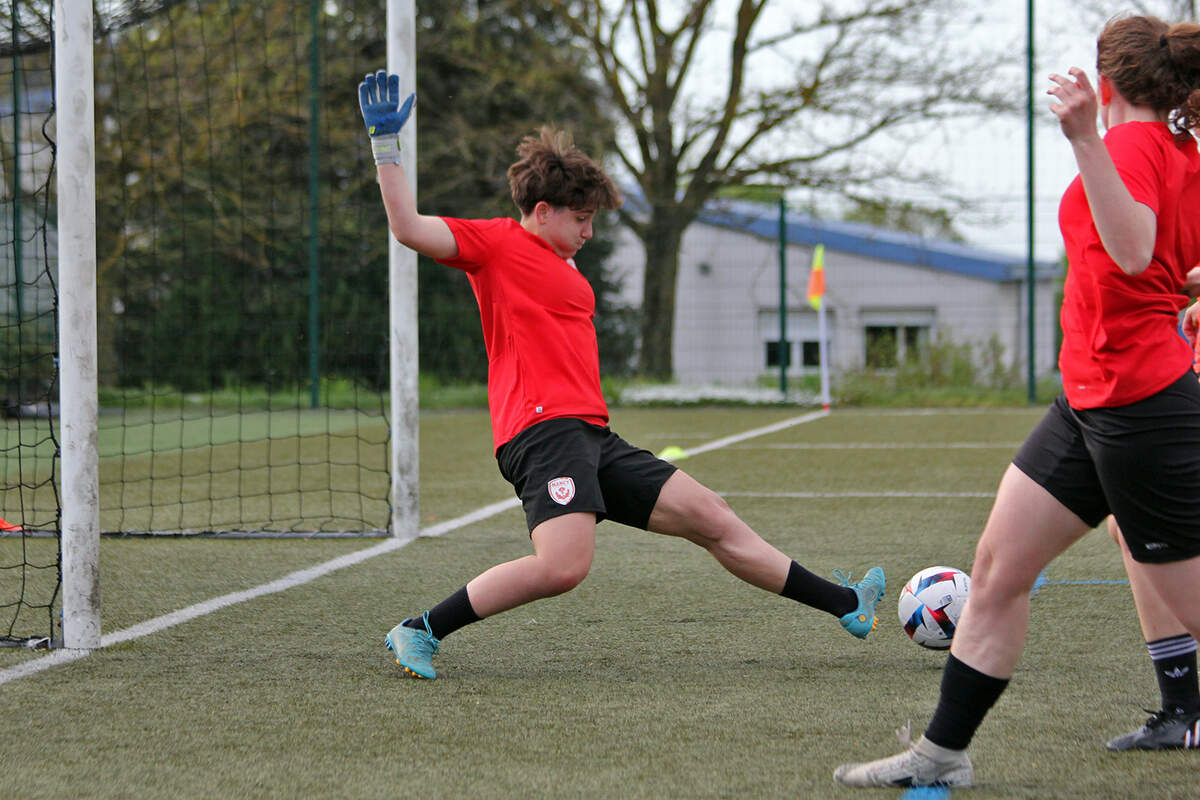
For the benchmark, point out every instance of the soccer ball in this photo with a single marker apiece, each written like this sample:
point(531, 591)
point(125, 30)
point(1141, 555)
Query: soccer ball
point(931, 603)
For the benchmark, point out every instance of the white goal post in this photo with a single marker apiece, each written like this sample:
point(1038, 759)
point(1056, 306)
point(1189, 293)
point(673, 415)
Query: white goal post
point(402, 293)
point(78, 364)
point(76, 184)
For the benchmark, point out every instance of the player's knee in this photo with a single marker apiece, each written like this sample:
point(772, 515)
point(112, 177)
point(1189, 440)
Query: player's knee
point(711, 517)
point(563, 576)
point(716, 505)
point(995, 579)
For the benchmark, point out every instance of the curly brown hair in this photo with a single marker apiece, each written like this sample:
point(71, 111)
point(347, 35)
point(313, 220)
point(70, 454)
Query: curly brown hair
point(1153, 63)
point(554, 170)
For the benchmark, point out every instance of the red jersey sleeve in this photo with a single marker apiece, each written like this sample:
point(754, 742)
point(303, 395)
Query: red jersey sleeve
point(476, 240)
point(1138, 156)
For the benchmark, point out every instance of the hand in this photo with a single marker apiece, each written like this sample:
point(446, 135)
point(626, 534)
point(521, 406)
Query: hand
point(1076, 107)
point(1191, 323)
point(1191, 283)
point(379, 99)
point(1190, 326)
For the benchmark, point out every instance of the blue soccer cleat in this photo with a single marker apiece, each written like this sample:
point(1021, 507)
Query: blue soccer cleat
point(414, 648)
point(869, 590)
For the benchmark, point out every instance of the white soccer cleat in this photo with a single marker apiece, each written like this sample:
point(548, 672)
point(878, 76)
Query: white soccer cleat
point(923, 764)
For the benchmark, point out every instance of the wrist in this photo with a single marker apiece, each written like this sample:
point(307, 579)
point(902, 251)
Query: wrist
point(1086, 140)
point(386, 148)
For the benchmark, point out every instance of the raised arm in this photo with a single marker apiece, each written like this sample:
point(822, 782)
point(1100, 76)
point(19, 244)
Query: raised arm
point(1127, 228)
point(384, 116)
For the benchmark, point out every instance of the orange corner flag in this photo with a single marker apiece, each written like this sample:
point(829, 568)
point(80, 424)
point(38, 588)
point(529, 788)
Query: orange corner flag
point(816, 278)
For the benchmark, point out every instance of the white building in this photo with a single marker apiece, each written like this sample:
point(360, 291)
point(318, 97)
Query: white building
point(886, 294)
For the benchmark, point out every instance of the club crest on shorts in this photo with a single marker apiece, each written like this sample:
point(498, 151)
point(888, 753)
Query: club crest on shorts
point(562, 490)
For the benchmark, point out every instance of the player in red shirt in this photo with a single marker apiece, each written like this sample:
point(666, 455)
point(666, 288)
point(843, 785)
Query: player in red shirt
point(1125, 436)
point(549, 418)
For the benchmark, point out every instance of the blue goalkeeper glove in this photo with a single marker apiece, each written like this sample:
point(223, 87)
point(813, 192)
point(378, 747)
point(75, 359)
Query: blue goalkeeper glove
point(384, 115)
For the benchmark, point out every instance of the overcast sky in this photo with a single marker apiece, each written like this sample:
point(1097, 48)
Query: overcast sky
point(1002, 174)
point(986, 158)
point(1065, 36)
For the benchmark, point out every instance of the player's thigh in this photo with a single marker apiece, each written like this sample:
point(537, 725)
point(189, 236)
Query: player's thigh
point(567, 540)
point(689, 509)
point(1027, 528)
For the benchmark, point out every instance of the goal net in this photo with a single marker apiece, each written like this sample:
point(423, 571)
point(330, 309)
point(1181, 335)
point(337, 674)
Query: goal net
point(242, 280)
point(29, 508)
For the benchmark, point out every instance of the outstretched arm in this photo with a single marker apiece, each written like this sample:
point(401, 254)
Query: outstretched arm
point(1127, 228)
point(384, 116)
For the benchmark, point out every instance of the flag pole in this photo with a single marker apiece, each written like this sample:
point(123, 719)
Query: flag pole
point(785, 349)
point(824, 357)
point(816, 299)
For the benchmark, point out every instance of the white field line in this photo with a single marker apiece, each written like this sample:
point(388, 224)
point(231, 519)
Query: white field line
point(829, 495)
point(955, 412)
point(717, 444)
point(884, 446)
point(304, 576)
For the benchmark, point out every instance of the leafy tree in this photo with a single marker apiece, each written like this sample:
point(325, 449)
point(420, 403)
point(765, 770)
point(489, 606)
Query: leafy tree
point(707, 99)
point(203, 116)
point(486, 77)
point(1169, 10)
point(202, 170)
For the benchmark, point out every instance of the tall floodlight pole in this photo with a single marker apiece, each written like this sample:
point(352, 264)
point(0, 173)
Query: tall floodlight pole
point(76, 182)
point(402, 292)
point(1029, 163)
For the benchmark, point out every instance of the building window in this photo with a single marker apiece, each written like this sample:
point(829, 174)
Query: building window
point(810, 354)
point(889, 346)
point(773, 351)
point(881, 347)
point(803, 350)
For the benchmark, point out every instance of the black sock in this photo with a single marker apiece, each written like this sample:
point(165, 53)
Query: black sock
point(967, 696)
point(812, 590)
point(448, 616)
point(1175, 667)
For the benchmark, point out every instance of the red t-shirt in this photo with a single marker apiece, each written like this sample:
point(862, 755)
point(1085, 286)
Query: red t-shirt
point(1120, 332)
point(537, 312)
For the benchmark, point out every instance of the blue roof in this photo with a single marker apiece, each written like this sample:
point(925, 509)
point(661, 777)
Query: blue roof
point(870, 241)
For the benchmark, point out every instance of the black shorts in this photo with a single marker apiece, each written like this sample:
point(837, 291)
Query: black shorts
point(563, 466)
point(1139, 462)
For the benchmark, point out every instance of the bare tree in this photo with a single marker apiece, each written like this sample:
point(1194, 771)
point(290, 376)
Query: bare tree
point(790, 92)
point(1169, 10)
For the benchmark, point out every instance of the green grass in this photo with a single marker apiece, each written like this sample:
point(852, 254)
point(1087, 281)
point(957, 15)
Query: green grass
point(659, 677)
